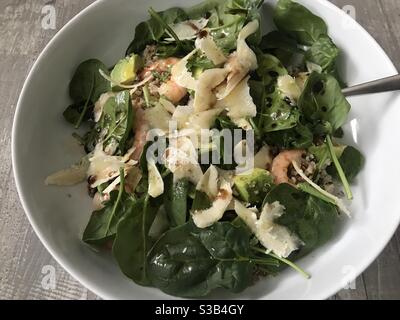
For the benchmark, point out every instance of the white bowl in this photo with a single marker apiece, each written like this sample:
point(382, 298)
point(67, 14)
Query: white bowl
point(42, 144)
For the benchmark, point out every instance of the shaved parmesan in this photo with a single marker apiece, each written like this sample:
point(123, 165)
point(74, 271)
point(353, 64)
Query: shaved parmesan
point(158, 118)
point(204, 119)
point(181, 159)
point(104, 167)
point(187, 30)
point(239, 102)
point(156, 183)
point(263, 158)
point(208, 46)
point(168, 105)
point(206, 218)
point(241, 62)
point(181, 116)
point(208, 80)
point(69, 177)
point(181, 75)
point(273, 237)
point(209, 182)
point(289, 88)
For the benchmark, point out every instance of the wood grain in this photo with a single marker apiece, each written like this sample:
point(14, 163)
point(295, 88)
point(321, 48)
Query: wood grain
point(23, 259)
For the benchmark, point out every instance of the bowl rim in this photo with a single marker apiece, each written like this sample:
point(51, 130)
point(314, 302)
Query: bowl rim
point(74, 272)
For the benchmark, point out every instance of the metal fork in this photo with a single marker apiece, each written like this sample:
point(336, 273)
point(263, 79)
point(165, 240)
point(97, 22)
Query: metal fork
point(381, 85)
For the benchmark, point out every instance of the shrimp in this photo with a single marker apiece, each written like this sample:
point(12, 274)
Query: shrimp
point(161, 65)
point(141, 128)
point(170, 89)
point(281, 164)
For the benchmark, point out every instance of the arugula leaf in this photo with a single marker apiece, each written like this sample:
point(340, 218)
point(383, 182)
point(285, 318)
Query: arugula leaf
point(352, 161)
point(323, 103)
point(274, 111)
point(191, 262)
point(175, 200)
point(132, 241)
point(299, 22)
point(324, 53)
point(103, 223)
point(87, 85)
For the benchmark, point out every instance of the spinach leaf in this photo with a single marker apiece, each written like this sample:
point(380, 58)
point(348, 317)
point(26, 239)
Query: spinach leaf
point(299, 22)
point(115, 124)
point(281, 46)
point(103, 223)
point(74, 112)
point(87, 85)
point(324, 53)
point(352, 161)
point(323, 156)
point(192, 262)
point(299, 137)
point(201, 201)
point(132, 241)
point(311, 218)
point(323, 103)
point(151, 31)
point(175, 200)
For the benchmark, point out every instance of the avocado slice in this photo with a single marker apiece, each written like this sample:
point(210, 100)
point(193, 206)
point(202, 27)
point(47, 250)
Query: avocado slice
point(125, 70)
point(254, 185)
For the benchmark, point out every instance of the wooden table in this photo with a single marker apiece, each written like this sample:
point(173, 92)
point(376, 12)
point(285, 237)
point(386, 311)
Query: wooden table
point(24, 262)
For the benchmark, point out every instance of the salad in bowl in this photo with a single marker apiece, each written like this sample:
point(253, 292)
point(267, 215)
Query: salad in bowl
point(212, 151)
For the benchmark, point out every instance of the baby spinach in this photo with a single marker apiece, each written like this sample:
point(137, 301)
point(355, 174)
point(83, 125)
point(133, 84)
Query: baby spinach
point(323, 103)
point(311, 218)
point(74, 112)
point(115, 124)
point(175, 200)
point(322, 154)
point(191, 262)
point(299, 22)
point(324, 53)
point(87, 85)
point(299, 137)
point(132, 241)
point(352, 161)
point(103, 223)
point(281, 46)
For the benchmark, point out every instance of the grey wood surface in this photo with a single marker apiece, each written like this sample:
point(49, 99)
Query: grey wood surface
point(26, 268)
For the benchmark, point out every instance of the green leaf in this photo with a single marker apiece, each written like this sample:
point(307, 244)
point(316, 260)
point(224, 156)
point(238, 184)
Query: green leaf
point(323, 53)
point(175, 200)
point(103, 223)
point(151, 31)
point(299, 22)
point(322, 154)
point(74, 112)
point(192, 262)
point(201, 201)
point(311, 218)
point(132, 242)
point(115, 124)
point(323, 103)
point(281, 46)
point(299, 137)
point(352, 162)
point(274, 111)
